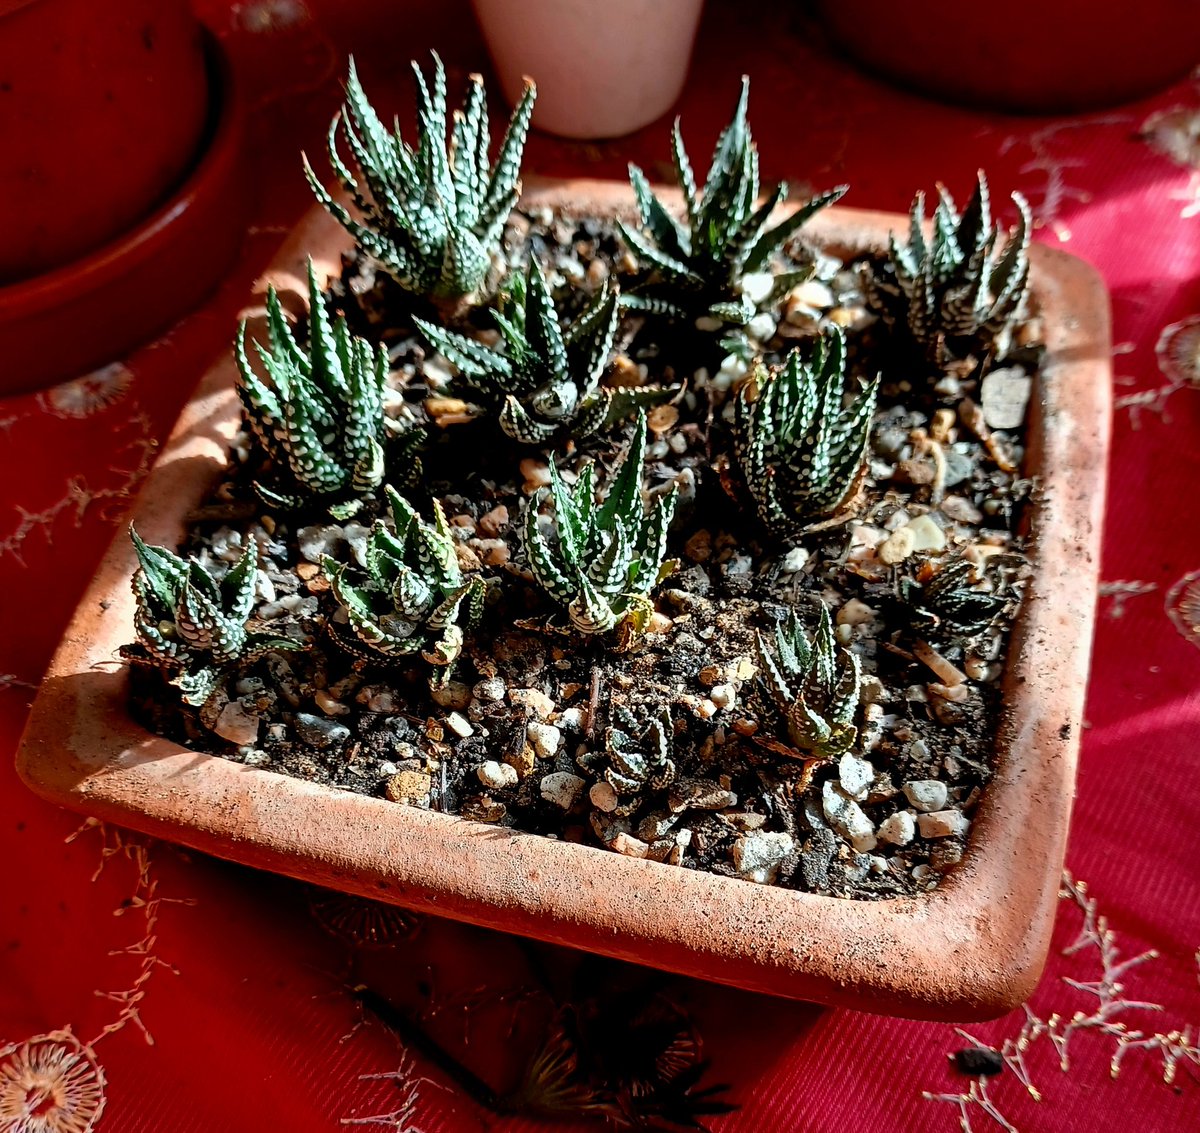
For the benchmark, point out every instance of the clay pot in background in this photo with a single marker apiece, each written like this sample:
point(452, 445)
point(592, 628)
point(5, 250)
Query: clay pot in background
point(88, 312)
point(1029, 56)
point(103, 108)
point(603, 68)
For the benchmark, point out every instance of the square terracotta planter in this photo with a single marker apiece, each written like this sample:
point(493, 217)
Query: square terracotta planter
point(971, 949)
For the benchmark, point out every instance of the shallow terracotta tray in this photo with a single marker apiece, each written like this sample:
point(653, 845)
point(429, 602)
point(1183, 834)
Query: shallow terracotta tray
point(972, 949)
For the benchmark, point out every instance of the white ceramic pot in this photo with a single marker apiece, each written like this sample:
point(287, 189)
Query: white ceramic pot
point(603, 68)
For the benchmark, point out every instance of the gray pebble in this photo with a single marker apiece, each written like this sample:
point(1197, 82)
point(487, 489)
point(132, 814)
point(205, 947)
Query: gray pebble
point(757, 856)
point(562, 788)
point(497, 775)
point(926, 794)
point(316, 731)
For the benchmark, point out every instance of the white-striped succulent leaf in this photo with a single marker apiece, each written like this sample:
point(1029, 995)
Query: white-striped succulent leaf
point(600, 559)
point(432, 216)
point(797, 448)
point(414, 597)
point(543, 379)
point(192, 625)
point(814, 684)
point(698, 261)
point(318, 411)
point(968, 279)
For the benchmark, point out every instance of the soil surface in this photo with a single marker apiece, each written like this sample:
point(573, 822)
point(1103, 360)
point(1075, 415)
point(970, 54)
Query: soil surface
point(518, 736)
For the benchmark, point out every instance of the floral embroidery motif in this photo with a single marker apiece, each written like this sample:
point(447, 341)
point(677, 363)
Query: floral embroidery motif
point(84, 396)
point(362, 923)
point(1106, 1017)
point(1183, 606)
point(50, 1083)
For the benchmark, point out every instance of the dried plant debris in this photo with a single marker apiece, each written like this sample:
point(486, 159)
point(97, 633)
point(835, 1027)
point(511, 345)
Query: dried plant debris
point(756, 629)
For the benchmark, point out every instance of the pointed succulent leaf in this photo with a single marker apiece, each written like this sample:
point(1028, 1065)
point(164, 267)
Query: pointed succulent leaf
point(318, 413)
point(414, 598)
point(543, 380)
point(797, 449)
point(814, 685)
point(602, 559)
point(696, 266)
point(430, 215)
point(194, 626)
point(966, 282)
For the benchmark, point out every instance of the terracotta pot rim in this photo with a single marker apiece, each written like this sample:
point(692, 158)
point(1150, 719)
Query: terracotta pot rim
point(971, 949)
point(207, 177)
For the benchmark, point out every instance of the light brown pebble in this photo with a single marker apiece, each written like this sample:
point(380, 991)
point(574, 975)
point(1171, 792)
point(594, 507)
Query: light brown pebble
point(603, 797)
point(534, 699)
point(955, 694)
point(659, 623)
point(961, 510)
point(626, 373)
point(855, 613)
point(407, 786)
point(942, 425)
point(523, 761)
point(946, 670)
point(329, 705)
point(494, 521)
point(700, 546)
point(628, 845)
point(709, 675)
point(440, 408)
point(897, 546)
point(661, 418)
point(305, 571)
point(535, 471)
point(468, 560)
point(597, 272)
point(976, 668)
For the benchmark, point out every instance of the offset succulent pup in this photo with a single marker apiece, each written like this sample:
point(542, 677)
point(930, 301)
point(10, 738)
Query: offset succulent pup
point(702, 263)
point(604, 557)
point(637, 761)
point(415, 598)
point(949, 606)
point(814, 684)
point(966, 282)
point(432, 216)
point(193, 626)
point(546, 379)
point(799, 452)
point(319, 413)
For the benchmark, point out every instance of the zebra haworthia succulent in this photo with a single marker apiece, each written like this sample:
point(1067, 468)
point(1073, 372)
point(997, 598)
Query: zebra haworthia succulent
point(545, 379)
point(797, 449)
point(415, 598)
point(432, 215)
point(318, 415)
point(193, 626)
point(814, 684)
point(637, 760)
point(724, 236)
point(604, 557)
point(949, 605)
point(965, 281)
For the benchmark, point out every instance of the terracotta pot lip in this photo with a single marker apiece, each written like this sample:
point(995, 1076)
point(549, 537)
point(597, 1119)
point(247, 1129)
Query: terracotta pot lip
point(971, 949)
point(209, 172)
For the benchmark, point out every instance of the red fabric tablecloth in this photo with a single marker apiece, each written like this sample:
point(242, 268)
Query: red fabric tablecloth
point(187, 994)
